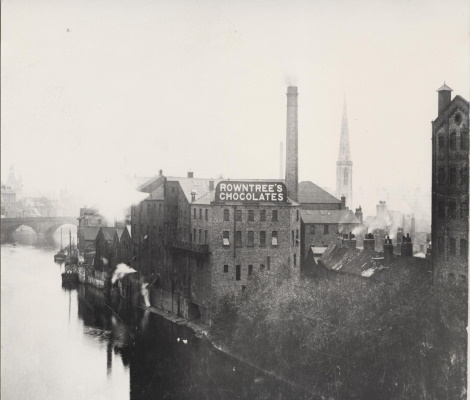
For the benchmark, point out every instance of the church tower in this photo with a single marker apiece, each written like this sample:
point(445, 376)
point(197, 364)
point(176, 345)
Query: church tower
point(344, 164)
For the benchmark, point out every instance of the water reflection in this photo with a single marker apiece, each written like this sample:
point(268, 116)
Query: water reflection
point(89, 346)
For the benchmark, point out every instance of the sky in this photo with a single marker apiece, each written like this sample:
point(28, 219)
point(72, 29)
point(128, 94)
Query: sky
point(95, 92)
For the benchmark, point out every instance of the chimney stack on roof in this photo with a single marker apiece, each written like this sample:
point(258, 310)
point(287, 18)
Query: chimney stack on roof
point(407, 246)
point(388, 251)
point(292, 153)
point(358, 214)
point(160, 172)
point(190, 174)
point(343, 202)
point(369, 242)
point(444, 97)
point(349, 240)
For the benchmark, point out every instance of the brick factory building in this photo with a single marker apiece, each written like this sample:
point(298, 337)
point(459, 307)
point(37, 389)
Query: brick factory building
point(450, 186)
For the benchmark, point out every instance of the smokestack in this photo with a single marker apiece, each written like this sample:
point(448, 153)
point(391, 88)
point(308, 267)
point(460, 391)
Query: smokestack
point(406, 246)
point(369, 242)
point(358, 214)
point(190, 174)
point(160, 172)
point(413, 225)
point(292, 168)
point(343, 202)
point(349, 240)
point(388, 251)
point(444, 97)
point(281, 160)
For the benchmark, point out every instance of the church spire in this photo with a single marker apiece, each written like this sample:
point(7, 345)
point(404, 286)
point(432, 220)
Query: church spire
point(344, 152)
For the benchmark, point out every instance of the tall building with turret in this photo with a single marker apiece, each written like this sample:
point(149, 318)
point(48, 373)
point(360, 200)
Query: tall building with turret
point(344, 164)
point(450, 152)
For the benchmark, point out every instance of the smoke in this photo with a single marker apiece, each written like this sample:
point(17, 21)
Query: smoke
point(121, 271)
point(145, 294)
point(290, 79)
point(358, 230)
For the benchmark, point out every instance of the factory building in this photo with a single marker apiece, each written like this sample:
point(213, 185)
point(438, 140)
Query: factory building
point(450, 167)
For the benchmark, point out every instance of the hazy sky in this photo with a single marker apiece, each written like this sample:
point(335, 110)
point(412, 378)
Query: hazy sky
point(96, 90)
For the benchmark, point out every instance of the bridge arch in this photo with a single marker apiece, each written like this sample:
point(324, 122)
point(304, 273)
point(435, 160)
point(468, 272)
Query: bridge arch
point(50, 231)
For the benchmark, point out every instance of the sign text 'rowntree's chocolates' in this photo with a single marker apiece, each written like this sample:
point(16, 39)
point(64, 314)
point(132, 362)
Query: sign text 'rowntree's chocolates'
point(251, 191)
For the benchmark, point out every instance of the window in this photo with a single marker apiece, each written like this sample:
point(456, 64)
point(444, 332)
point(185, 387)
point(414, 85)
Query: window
point(293, 238)
point(250, 270)
point(194, 213)
point(463, 140)
point(238, 239)
point(452, 246)
point(297, 215)
point(200, 235)
point(326, 229)
point(453, 141)
point(225, 268)
point(297, 241)
point(464, 209)
point(312, 229)
point(226, 215)
point(251, 215)
point(261, 267)
point(440, 140)
point(238, 215)
point(345, 177)
point(441, 209)
point(463, 176)
point(440, 245)
point(194, 236)
point(262, 239)
point(463, 248)
point(295, 259)
point(274, 215)
point(458, 118)
point(262, 215)
point(207, 214)
point(274, 238)
point(268, 262)
point(251, 238)
point(453, 209)
point(441, 176)
point(205, 237)
point(226, 238)
point(200, 213)
point(238, 272)
point(243, 288)
point(453, 176)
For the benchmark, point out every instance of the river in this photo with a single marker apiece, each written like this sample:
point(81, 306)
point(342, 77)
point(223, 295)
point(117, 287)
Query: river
point(60, 343)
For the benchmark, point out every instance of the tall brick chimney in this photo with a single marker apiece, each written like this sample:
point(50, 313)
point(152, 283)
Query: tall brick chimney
point(369, 242)
point(388, 251)
point(358, 214)
point(343, 203)
point(444, 97)
point(406, 246)
point(190, 174)
point(292, 153)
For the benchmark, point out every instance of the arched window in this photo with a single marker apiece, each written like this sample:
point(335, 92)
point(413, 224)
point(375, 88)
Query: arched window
point(346, 176)
point(453, 141)
point(441, 176)
point(463, 140)
point(463, 248)
point(453, 176)
point(440, 140)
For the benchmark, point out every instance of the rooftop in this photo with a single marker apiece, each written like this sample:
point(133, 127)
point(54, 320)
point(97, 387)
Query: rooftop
point(328, 217)
point(311, 193)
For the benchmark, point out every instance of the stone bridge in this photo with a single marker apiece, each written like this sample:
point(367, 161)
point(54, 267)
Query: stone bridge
point(43, 226)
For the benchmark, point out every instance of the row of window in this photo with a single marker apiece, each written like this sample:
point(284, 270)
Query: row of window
point(313, 230)
point(238, 268)
point(251, 238)
point(239, 215)
point(452, 246)
point(441, 209)
point(453, 141)
point(160, 208)
point(441, 176)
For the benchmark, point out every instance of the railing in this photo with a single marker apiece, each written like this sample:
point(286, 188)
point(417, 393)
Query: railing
point(189, 246)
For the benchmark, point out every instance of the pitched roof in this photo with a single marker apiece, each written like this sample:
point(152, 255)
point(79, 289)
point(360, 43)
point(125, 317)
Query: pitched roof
point(198, 186)
point(119, 232)
point(90, 232)
point(444, 87)
point(444, 113)
point(108, 232)
point(311, 193)
point(328, 217)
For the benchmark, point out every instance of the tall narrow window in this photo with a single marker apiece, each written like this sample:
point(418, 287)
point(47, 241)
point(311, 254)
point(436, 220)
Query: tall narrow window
point(225, 269)
point(440, 245)
point(205, 237)
point(295, 259)
point(293, 238)
point(463, 140)
point(274, 218)
point(297, 215)
point(238, 239)
point(463, 248)
point(194, 236)
point(251, 239)
point(346, 176)
point(441, 176)
point(207, 214)
point(200, 235)
point(226, 215)
point(251, 215)
point(274, 238)
point(452, 246)
point(464, 176)
point(238, 272)
point(326, 229)
point(464, 209)
point(200, 213)
point(238, 215)
point(297, 241)
point(453, 209)
point(226, 238)
point(194, 213)
point(250, 270)
point(262, 215)
point(440, 140)
point(452, 141)
point(453, 176)
point(441, 209)
point(268, 262)
point(262, 238)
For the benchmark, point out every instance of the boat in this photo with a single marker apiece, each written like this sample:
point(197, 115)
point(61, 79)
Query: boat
point(70, 274)
point(62, 253)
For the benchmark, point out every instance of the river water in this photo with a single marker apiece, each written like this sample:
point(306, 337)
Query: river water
point(60, 343)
